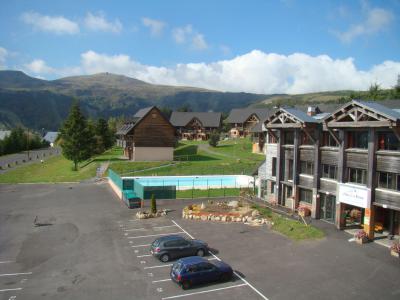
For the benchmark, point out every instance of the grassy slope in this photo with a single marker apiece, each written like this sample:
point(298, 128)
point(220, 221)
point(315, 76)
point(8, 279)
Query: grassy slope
point(197, 162)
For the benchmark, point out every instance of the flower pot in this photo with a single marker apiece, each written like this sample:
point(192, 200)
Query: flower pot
point(361, 241)
point(395, 254)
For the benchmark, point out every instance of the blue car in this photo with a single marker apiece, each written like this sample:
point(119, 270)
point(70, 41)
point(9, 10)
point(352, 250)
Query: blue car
point(195, 270)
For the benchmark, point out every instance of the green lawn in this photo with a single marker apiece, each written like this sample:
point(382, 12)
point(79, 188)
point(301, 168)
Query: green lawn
point(58, 169)
point(293, 229)
point(230, 157)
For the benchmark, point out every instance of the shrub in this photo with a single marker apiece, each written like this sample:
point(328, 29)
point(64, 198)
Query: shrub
point(153, 204)
point(214, 139)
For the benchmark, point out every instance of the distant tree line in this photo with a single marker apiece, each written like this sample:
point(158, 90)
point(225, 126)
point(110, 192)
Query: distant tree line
point(80, 138)
point(21, 140)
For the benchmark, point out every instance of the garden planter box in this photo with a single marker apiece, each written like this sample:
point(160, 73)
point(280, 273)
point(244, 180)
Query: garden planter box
point(361, 241)
point(394, 253)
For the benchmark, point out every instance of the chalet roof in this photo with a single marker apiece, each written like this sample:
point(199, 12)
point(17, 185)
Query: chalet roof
point(240, 115)
point(391, 114)
point(4, 134)
point(51, 136)
point(300, 115)
point(207, 119)
point(137, 118)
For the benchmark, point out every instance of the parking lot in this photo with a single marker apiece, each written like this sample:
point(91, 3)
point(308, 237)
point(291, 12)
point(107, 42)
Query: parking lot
point(90, 246)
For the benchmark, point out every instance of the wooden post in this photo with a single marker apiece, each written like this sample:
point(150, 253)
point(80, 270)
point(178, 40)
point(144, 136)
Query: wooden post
point(278, 191)
point(369, 217)
point(340, 217)
point(296, 167)
point(317, 174)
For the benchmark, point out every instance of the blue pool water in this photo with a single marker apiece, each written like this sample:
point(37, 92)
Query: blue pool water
point(185, 182)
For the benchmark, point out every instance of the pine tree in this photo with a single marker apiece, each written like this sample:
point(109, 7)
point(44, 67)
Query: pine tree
point(104, 132)
point(76, 137)
point(153, 204)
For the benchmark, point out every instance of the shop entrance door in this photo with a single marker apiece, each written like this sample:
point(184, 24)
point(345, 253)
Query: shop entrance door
point(328, 207)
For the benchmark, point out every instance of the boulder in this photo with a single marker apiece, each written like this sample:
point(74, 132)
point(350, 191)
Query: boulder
point(217, 218)
point(233, 204)
point(203, 218)
point(202, 206)
point(249, 219)
point(223, 218)
point(255, 213)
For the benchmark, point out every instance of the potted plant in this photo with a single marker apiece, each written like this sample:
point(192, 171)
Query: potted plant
point(395, 249)
point(361, 237)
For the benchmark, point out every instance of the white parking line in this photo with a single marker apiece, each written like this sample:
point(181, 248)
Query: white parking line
point(6, 262)
point(145, 255)
point(162, 280)
point(240, 277)
point(134, 229)
point(203, 292)
point(159, 266)
point(7, 290)
point(143, 236)
point(144, 245)
point(15, 274)
point(159, 227)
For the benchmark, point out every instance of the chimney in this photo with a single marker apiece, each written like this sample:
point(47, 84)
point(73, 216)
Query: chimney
point(313, 110)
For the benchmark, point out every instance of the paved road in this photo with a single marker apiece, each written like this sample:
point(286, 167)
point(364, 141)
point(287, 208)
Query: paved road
point(93, 248)
point(8, 162)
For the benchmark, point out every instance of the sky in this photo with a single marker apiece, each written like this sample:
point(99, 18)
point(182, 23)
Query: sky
point(266, 47)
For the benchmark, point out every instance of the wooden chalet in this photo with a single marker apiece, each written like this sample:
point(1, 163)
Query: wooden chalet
point(148, 137)
point(244, 119)
point(344, 167)
point(195, 125)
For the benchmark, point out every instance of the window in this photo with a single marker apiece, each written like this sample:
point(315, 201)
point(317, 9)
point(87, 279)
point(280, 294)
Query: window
point(357, 139)
point(389, 181)
point(289, 137)
point(329, 171)
point(271, 139)
point(305, 195)
point(328, 140)
point(388, 141)
point(289, 175)
point(357, 176)
point(274, 166)
point(272, 191)
point(307, 167)
point(305, 139)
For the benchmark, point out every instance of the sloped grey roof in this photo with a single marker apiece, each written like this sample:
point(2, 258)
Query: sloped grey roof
point(51, 136)
point(125, 128)
point(301, 115)
point(383, 110)
point(142, 112)
point(208, 119)
point(4, 133)
point(240, 115)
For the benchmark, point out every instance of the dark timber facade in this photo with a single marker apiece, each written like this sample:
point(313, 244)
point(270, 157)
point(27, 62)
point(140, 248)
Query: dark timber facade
point(344, 166)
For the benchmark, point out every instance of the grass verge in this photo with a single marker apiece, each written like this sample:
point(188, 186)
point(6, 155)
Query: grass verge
point(291, 228)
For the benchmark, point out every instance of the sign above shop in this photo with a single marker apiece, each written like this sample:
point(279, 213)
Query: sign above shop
point(354, 195)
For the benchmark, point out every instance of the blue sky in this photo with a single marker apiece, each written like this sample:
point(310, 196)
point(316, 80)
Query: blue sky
point(255, 46)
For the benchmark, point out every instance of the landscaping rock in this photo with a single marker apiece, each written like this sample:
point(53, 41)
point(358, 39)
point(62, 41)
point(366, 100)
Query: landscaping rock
point(202, 206)
point(255, 213)
point(233, 204)
point(249, 219)
point(223, 218)
point(217, 218)
point(204, 218)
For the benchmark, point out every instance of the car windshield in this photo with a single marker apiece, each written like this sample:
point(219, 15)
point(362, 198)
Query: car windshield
point(156, 243)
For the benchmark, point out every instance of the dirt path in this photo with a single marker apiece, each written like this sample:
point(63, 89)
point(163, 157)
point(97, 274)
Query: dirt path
point(206, 148)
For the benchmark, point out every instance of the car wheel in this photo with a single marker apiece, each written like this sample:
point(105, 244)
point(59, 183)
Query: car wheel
point(200, 252)
point(185, 285)
point(225, 277)
point(164, 258)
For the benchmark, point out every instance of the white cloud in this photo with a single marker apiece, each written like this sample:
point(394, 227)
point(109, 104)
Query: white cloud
point(3, 56)
point(38, 66)
point(156, 27)
point(53, 24)
point(188, 35)
point(255, 72)
point(376, 20)
point(98, 22)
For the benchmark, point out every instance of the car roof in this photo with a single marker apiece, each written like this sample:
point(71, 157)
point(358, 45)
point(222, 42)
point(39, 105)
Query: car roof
point(191, 260)
point(169, 237)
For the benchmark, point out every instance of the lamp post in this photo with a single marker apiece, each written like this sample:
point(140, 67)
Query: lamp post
point(27, 143)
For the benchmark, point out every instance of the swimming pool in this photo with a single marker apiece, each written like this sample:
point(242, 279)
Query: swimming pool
point(196, 182)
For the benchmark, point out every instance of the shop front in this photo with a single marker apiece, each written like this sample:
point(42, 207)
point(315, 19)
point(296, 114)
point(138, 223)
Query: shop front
point(327, 209)
point(353, 202)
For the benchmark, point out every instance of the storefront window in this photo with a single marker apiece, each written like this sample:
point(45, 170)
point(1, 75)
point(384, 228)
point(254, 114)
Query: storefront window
point(353, 215)
point(357, 176)
point(306, 195)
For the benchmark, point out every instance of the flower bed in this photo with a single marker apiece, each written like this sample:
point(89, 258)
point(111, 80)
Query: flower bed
point(395, 249)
